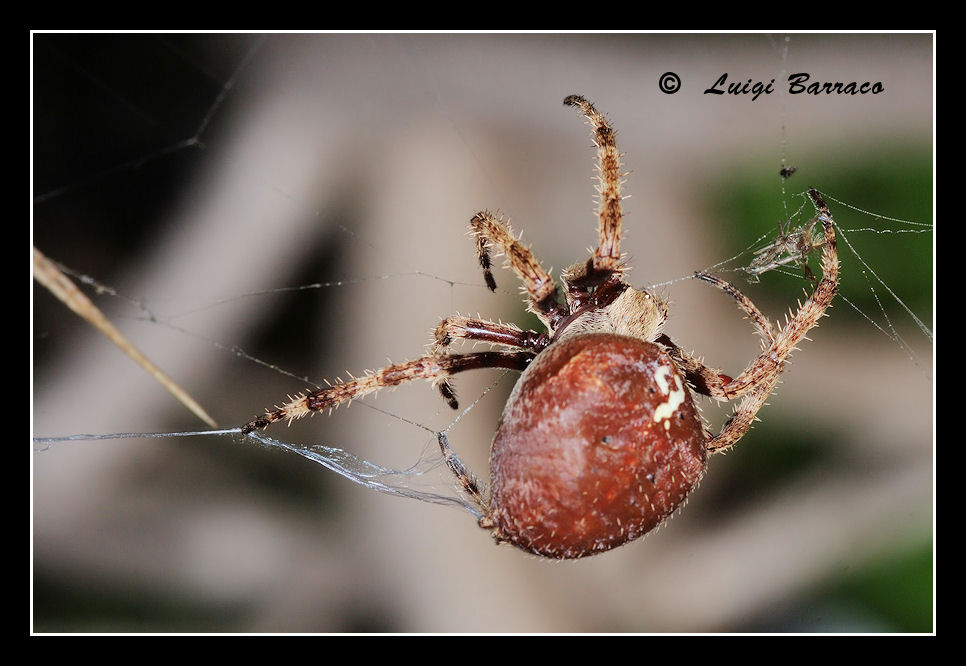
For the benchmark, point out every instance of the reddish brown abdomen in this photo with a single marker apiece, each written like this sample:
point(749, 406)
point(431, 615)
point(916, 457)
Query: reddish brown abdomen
point(598, 444)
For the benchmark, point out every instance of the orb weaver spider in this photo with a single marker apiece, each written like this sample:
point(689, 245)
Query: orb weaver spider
point(600, 440)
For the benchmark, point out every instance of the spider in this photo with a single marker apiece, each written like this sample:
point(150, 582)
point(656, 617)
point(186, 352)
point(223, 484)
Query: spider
point(600, 440)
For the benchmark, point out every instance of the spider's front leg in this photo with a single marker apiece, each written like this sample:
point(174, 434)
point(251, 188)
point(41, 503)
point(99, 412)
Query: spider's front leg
point(432, 368)
point(757, 382)
point(607, 258)
point(705, 380)
point(482, 330)
point(491, 231)
point(466, 328)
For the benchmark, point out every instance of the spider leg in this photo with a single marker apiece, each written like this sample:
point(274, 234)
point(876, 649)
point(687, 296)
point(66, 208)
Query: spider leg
point(762, 324)
point(704, 380)
point(433, 368)
point(757, 382)
point(708, 381)
point(607, 258)
point(467, 480)
point(467, 328)
point(485, 331)
point(491, 231)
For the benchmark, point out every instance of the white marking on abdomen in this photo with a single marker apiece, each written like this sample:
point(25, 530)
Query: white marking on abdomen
point(675, 397)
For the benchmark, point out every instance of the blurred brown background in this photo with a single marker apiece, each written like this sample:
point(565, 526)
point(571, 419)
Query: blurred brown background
point(361, 158)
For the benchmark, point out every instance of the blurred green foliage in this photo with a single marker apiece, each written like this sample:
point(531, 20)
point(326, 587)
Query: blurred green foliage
point(777, 450)
point(895, 590)
point(881, 188)
point(887, 183)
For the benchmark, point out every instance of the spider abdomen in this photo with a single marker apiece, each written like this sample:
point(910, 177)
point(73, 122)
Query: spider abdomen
point(598, 444)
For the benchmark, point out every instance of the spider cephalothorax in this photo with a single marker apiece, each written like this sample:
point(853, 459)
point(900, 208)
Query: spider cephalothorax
point(600, 440)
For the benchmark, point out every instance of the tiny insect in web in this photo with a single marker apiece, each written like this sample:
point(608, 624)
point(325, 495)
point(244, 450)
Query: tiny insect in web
point(792, 245)
point(600, 440)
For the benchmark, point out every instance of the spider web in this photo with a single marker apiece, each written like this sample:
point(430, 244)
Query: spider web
point(255, 241)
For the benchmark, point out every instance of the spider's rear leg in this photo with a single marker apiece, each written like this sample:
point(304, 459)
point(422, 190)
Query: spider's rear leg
point(467, 480)
point(492, 231)
point(433, 368)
